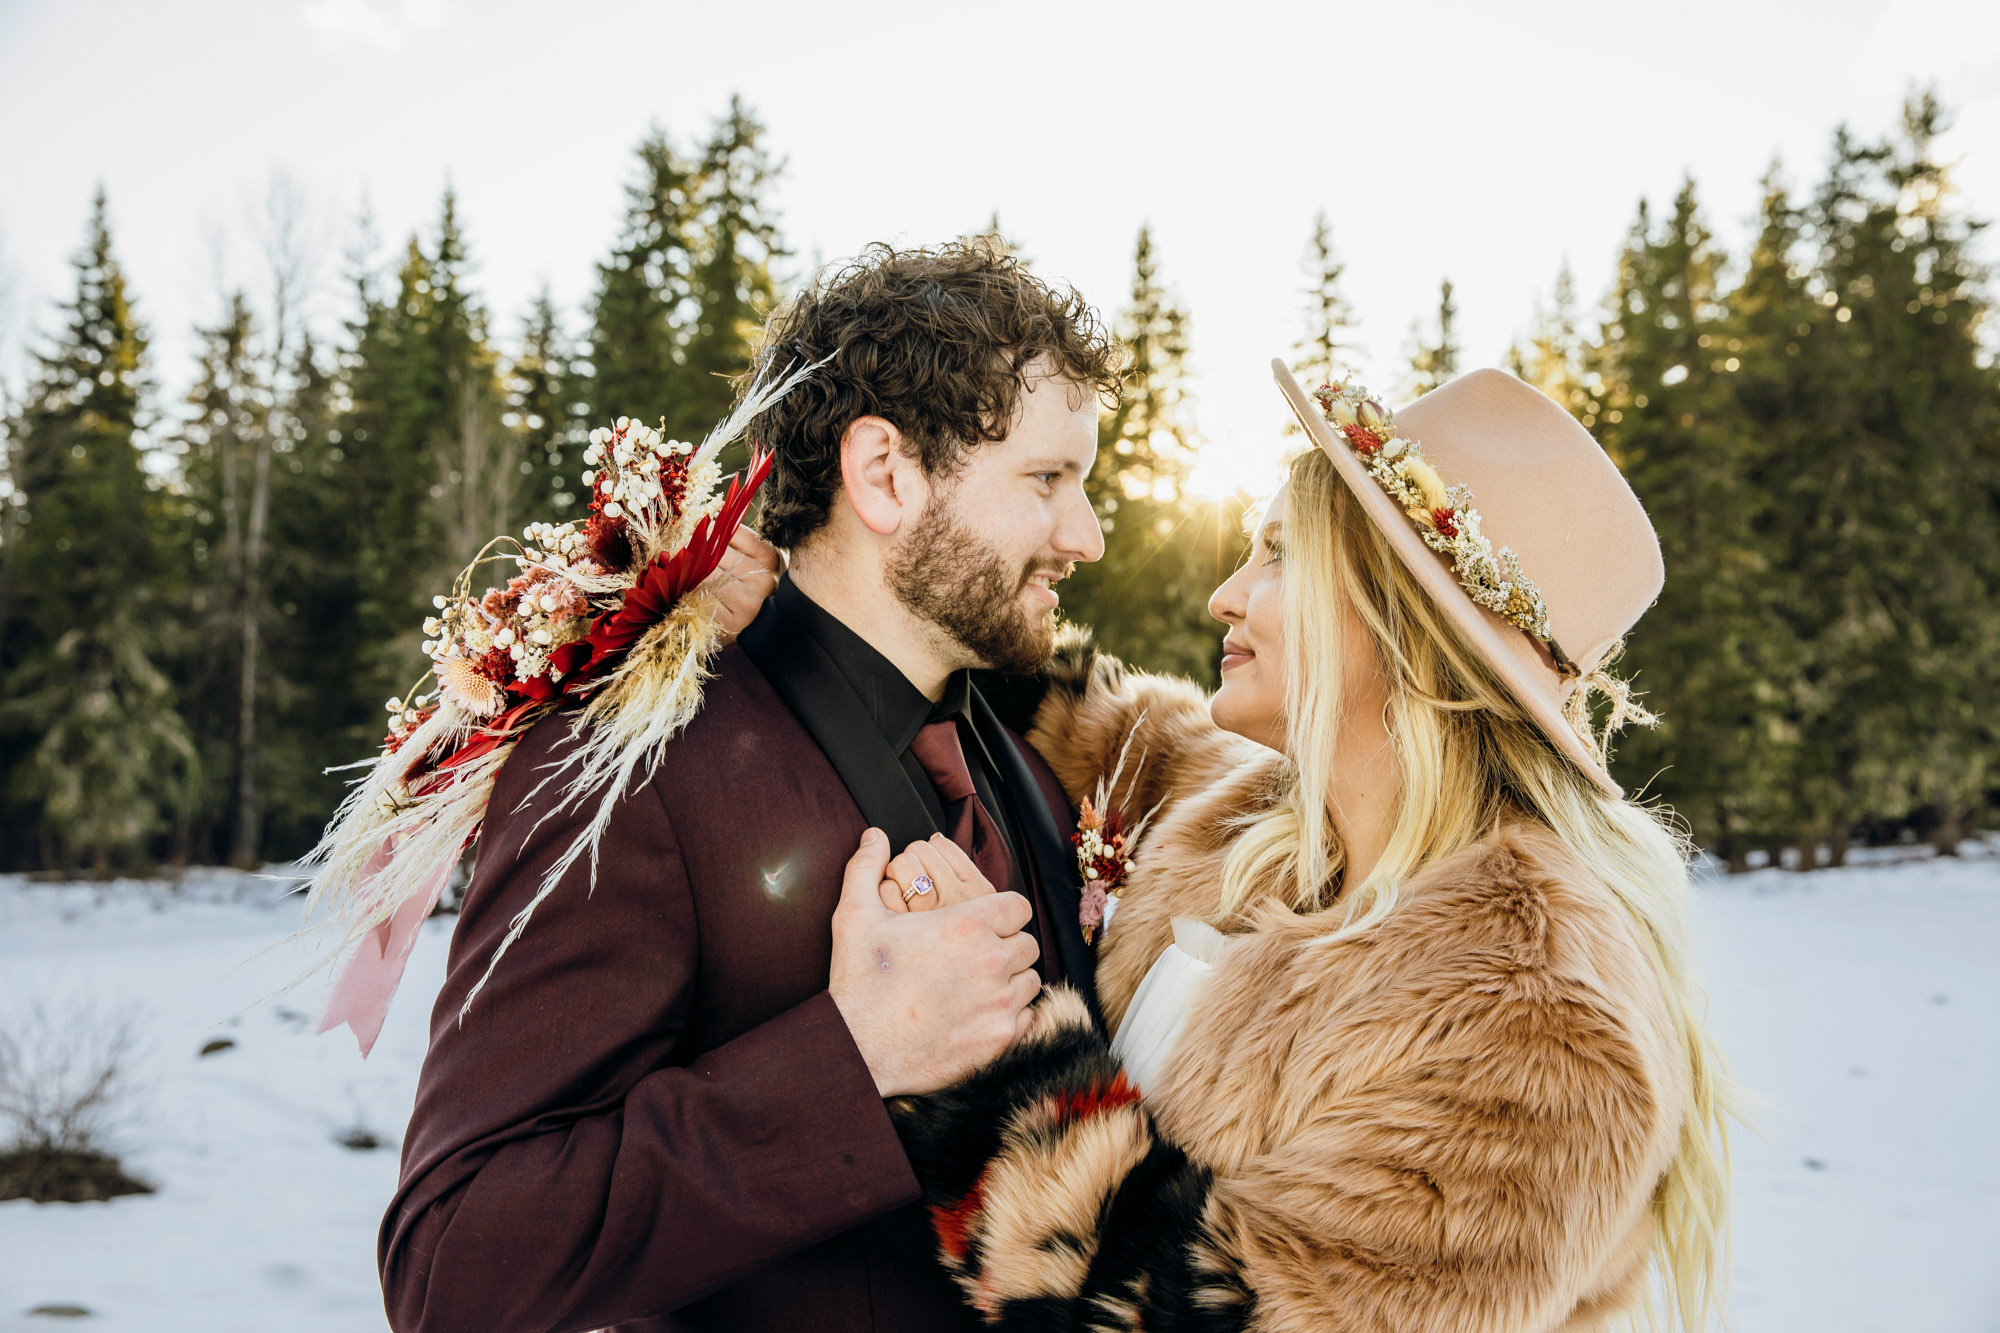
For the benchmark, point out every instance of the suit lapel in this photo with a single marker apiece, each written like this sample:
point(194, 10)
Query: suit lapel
point(1049, 854)
point(826, 705)
point(816, 692)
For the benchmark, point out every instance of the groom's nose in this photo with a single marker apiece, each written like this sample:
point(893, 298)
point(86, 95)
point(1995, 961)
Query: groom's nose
point(1079, 536)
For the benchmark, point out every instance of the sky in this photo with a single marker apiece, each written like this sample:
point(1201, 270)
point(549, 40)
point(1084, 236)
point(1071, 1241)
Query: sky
point(1483, 143)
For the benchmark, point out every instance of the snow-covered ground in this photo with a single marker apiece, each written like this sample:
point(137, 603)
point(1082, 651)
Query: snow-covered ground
point(1862, 1005)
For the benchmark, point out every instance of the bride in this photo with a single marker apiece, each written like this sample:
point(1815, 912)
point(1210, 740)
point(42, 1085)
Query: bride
point(1407, 1033)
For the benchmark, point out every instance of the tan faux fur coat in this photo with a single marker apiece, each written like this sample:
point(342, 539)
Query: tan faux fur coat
point(1455, 1122)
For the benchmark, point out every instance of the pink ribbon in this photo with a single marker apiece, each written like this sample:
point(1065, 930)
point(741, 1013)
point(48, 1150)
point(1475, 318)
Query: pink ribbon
point(369, 977)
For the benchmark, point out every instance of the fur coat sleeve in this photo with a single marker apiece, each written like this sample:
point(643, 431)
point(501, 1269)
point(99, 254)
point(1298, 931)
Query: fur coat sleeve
point(1455, 1122)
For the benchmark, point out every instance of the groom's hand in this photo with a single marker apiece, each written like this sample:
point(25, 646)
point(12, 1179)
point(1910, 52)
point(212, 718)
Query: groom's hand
point(929, 997)
point(746, 576)
point(932, 874)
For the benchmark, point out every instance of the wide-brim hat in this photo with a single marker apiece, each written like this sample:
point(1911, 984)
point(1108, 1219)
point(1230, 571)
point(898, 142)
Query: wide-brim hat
point(1542, 487)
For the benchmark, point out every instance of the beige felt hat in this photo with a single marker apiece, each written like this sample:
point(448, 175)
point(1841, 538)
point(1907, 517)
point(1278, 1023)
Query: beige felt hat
point(1542, 486)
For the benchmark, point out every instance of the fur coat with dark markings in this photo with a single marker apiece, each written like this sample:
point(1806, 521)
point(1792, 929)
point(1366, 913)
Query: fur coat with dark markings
point(1453, 1123)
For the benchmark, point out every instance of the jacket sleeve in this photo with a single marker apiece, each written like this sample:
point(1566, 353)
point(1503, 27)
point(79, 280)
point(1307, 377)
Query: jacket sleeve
point(1451, 1191)
point(567, 1165)
point(1095, 709)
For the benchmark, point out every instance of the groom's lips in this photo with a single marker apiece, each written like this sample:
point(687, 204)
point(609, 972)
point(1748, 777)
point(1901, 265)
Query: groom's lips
point(1042, 591)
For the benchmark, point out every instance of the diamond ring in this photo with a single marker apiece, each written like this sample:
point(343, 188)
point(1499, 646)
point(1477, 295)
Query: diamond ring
point(921, 886)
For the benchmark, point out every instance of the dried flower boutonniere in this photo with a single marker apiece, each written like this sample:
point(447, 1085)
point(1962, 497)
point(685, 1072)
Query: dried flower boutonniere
point(1104, 844)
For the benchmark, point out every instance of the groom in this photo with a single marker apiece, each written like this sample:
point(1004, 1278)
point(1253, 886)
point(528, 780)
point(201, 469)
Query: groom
point(665, 1111)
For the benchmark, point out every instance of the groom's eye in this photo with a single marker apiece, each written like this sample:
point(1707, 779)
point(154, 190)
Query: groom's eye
point(1048, 478)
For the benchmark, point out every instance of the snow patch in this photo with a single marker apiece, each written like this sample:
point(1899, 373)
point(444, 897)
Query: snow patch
point(1860, 1004)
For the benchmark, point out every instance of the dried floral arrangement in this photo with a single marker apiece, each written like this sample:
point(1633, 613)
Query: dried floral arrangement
point(607, 611)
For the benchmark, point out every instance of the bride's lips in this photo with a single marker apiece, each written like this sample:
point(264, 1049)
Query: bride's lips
point(1234, 654)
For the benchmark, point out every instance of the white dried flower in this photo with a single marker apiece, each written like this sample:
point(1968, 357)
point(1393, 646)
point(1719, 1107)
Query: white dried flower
point(461, 683)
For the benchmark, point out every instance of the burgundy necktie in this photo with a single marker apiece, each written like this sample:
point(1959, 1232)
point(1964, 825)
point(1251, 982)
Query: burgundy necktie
point(973, 827)
point(966, 820)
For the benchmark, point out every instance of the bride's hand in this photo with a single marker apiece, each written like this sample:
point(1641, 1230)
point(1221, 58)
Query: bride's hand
point(952, 878)
point(746, 576)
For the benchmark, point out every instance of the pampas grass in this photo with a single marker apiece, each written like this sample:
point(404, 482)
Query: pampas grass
point(651, 695)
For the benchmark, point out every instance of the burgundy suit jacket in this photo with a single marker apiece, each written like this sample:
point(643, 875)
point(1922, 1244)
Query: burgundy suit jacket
point(653, 1117)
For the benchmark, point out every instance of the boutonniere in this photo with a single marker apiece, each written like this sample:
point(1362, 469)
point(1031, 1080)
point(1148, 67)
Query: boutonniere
point(1104, 843)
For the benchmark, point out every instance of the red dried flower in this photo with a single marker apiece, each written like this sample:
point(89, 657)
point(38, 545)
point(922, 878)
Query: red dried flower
point(1364, 440)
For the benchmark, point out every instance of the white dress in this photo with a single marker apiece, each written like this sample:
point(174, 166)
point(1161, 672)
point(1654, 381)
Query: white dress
point(1145, 1039)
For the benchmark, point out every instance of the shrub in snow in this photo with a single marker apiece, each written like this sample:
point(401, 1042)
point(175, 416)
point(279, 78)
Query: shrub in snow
point(64, 1087)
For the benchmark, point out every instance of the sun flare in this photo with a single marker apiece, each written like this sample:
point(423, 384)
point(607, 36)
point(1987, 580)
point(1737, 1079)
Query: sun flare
point(1225, 469)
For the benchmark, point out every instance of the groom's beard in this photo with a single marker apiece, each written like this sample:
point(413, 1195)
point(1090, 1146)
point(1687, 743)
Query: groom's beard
point(945, 574)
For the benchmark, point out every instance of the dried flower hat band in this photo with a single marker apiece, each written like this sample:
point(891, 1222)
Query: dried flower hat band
point(1442, 515)
point(1444, 518)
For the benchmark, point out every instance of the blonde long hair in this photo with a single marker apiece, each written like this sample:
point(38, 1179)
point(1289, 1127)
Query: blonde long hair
point(1469, 758)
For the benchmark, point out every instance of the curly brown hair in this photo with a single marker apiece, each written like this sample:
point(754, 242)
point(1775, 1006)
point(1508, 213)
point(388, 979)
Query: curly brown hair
point(936, 341)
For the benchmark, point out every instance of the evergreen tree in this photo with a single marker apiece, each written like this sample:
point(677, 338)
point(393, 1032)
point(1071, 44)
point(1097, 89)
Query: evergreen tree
point(1890, 530)
point(731, 281)
point(453, 389)
point(319, 711)
point(1327, 345)
point(1840, 513)
point(996, 236)
point(645, 300)
point(1672, 422)
point(1556, 355)
point(1165, 550)
point(545, 388)
point(98, 763)
point(1926, 309)
point(255, 376)
point(1435, 360)
point(1771, 311)
point(225, 472)
point(428, 450)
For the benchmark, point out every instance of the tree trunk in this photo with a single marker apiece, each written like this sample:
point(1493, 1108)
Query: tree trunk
point(246, 842)
point(1950, 831)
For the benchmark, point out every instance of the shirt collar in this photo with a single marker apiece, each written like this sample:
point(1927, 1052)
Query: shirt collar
point(898, 708)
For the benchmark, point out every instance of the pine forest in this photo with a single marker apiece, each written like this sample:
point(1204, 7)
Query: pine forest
point(204, 601)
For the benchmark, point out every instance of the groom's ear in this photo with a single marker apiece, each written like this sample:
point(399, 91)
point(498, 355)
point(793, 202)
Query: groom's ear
point(883, 482)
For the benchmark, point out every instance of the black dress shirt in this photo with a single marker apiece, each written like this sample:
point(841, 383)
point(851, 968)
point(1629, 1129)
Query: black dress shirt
point(870, 708)
point(900, 710)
